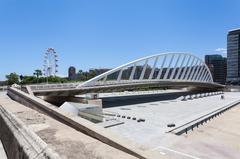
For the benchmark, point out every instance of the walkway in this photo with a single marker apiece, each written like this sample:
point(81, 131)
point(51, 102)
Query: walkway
point(219, 138)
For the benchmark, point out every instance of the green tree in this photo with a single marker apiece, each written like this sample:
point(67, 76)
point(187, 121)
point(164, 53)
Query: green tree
point(82, 76)
point(86, 75)
point(29, 80)
point(80, 71)
point(37, 73)
point(12, 78)
point(91, 74)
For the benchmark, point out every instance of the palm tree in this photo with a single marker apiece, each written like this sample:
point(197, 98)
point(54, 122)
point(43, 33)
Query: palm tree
point(37, 73)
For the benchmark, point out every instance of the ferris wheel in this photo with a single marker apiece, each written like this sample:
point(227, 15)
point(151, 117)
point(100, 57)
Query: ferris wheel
point(50, 63)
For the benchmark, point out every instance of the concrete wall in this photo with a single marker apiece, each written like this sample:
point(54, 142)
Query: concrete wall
point(19, 142)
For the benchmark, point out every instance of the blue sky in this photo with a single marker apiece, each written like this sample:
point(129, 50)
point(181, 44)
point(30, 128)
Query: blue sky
point(107, 33)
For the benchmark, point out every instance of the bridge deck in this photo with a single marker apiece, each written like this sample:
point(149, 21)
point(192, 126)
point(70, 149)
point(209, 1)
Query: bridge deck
point(71, 89)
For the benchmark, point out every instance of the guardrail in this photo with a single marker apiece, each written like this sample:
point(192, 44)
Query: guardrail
point(201, 120)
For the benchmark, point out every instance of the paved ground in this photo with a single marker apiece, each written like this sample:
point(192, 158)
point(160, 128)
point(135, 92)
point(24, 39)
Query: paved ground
point(157, 115)
point(66, 141)
point(218, 139)
point(2, 93)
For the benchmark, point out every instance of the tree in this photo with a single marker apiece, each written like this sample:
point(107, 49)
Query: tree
point(92, 74)
point(86, 75)
point(29, 80)
point(12, 78)
point(80, 71)
point(37, 73)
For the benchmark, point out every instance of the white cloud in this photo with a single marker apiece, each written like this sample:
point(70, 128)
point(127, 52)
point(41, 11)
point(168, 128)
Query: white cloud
point(221, 50)
point(62, 75)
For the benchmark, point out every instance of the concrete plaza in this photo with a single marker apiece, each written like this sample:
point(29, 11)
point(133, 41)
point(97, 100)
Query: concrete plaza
point(217, 139)
point(152, 132)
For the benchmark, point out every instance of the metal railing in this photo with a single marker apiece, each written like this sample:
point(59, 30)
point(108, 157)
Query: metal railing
point(54, 86)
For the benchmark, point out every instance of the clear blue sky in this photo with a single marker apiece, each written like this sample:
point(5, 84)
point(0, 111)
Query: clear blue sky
point(107, 33)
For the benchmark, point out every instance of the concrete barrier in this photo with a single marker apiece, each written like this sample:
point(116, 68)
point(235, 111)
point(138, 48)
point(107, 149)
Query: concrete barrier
point(20, 142)
point(79, 124)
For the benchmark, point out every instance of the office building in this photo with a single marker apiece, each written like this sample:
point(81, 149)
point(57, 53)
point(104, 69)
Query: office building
point(233, 56)
point(72, 73)
point(217, 66)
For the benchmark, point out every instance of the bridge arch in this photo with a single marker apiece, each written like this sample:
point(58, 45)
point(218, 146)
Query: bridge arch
point(171, 66)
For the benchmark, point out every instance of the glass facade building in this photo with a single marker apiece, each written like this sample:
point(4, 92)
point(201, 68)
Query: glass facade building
point(72, 73)
point(218, 67)
point(233, 56)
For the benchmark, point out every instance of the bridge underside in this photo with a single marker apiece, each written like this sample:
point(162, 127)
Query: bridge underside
point(203, 86)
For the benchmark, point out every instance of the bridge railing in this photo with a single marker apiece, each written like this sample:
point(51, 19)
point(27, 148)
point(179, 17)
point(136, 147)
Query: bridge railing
point(54, 86)
point(101, 83)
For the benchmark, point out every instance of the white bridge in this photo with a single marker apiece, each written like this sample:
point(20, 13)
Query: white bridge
point(161, 70)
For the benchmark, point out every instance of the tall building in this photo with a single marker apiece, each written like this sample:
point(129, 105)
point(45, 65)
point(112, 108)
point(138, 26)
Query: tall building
point(233, 56)
point(217, 65)
point(72, 73)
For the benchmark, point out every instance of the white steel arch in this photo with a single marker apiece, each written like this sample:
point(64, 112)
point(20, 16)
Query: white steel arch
point(171, 66)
